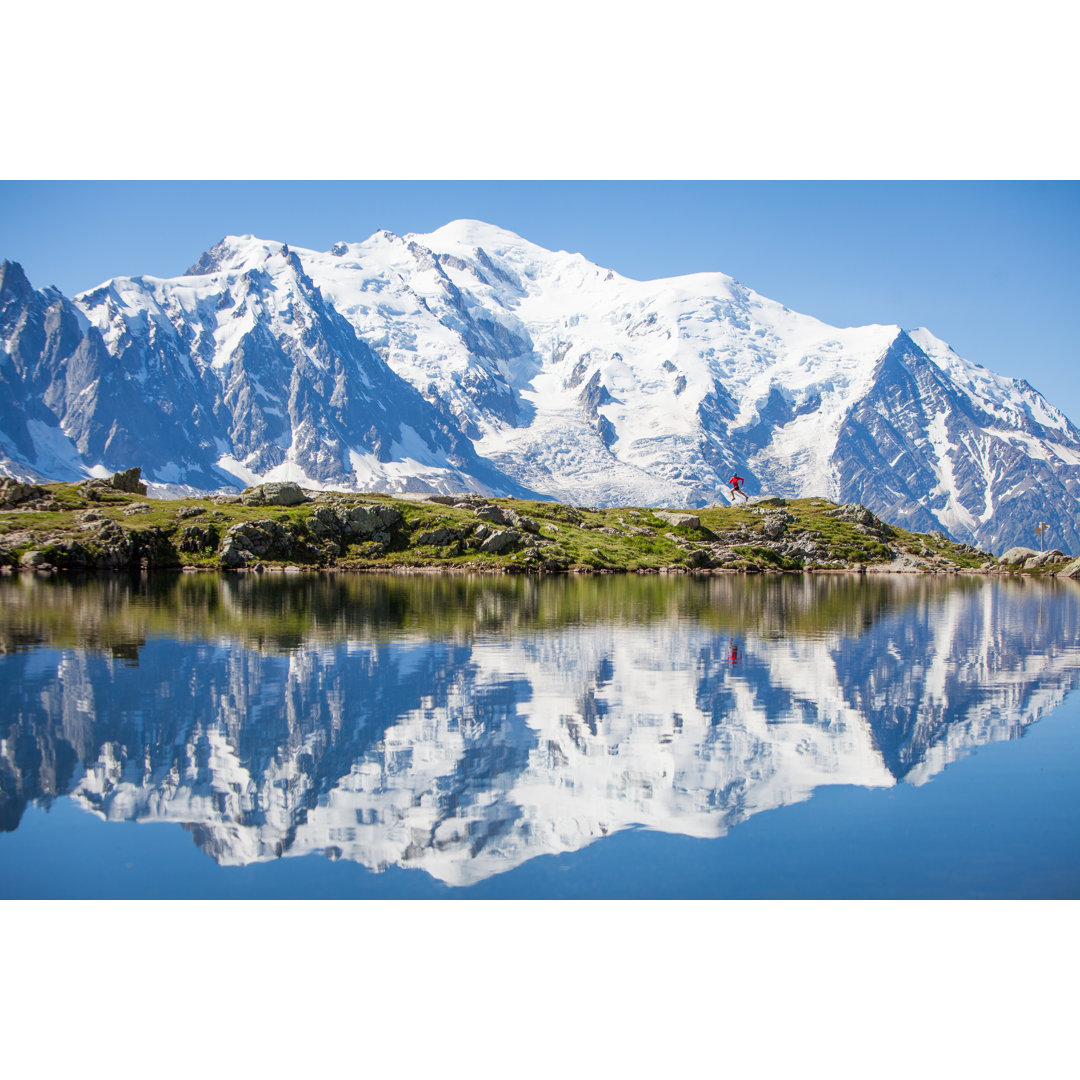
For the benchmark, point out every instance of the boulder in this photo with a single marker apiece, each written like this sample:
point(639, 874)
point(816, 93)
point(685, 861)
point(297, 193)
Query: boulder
point(495, 514)
point(438, 537)
point(501, 540)
point(282, 493)
point(690, 521)
point(368, 521)
point(775, 525)
point(521, 522)
point(128, 480)
point(1017, 556)
point(247, 542)
point(1072, 570)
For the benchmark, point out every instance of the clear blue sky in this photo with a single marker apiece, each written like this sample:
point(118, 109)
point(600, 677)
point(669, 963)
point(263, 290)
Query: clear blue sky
point(991, 267)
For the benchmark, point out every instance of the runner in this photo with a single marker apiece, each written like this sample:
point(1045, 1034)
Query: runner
point(735, 481)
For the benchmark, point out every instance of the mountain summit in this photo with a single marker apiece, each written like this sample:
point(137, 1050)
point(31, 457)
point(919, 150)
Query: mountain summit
point(469, 358)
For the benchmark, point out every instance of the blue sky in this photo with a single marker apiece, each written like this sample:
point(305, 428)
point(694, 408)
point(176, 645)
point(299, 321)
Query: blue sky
point(991, 267)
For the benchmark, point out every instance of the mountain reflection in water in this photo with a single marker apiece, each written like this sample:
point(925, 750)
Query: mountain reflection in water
point(464, 725)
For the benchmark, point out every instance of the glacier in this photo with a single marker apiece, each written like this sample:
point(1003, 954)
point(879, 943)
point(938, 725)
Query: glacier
point(469, 358)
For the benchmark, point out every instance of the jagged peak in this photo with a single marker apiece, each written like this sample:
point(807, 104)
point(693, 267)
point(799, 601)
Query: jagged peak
point(13, 280)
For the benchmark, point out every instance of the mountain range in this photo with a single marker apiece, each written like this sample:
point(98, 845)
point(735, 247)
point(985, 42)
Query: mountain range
point(471, 359)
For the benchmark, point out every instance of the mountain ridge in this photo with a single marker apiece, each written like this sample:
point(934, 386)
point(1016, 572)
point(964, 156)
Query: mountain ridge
point(471, 359)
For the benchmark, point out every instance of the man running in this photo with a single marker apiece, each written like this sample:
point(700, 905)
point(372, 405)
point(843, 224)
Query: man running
point(735, 481)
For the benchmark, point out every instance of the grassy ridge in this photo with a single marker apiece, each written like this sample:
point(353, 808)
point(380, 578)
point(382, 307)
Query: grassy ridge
point(68, 526)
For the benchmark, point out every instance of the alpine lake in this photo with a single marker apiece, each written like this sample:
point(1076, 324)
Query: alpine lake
point(456, 736)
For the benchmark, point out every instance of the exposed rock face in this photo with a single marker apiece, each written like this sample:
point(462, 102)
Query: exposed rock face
point(330, 525)
point(197, 539)
point(927, 450)
point(248, 541)
point(131, 370)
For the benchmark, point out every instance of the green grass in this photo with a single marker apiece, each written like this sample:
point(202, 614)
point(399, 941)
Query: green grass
point(635, 540)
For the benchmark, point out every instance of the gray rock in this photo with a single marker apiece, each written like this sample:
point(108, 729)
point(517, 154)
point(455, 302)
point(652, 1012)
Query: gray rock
point(438, 537)
point(690, 521)
point(859, 515)
point(804, 549)
point(775, 525)
point(502, 540)
point(128, 480)
point(369, 520)
point(114, 545)
point(495, 514)
point(1070, 571)
point(13, 492)
point(1017, 556)
point(1045, 558)
point(247, 540)
point(273, 494)
point(196, 538)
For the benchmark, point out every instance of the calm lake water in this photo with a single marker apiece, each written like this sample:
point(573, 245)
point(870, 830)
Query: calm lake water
point(487, 737)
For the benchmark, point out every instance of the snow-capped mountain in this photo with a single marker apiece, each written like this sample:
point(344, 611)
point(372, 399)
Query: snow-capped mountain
point(467, 758)
point(471, 358)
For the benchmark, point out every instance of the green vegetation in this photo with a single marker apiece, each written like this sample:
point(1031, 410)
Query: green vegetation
point(76, 527)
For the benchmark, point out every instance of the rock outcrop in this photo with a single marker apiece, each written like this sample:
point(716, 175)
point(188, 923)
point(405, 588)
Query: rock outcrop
point(273, 494)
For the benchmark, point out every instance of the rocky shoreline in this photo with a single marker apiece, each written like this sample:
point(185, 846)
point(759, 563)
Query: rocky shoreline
point(107, 524)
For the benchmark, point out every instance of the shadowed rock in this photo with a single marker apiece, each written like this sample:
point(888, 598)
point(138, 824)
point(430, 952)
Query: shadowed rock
point(129, 481)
